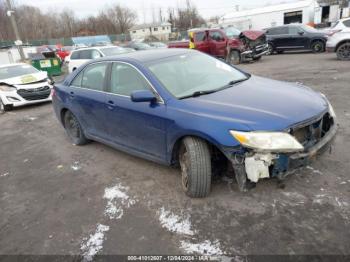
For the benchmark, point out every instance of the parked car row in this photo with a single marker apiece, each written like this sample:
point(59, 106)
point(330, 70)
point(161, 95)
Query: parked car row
point(228, 43)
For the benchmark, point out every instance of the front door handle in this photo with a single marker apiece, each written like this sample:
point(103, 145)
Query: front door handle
point(71, 94)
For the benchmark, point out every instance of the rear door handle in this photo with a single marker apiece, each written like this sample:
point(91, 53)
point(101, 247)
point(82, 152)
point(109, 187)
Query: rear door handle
point(111, 104)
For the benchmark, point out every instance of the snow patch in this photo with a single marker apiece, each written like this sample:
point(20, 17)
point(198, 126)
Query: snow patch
point(204, 248)
point(32, 118)
point(94, 244)
point(315, 171)
point(6, 174)
point(117, 200)
point(175, 223)
point(76, 166)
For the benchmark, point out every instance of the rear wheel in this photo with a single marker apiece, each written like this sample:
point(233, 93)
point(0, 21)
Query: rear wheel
point(234, 57)
point(195, 163)
point(317, 47)
point(343, 51)
point(73, 129)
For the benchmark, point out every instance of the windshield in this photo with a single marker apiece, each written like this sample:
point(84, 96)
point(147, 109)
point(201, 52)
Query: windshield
point(232, 32)
point(110, 51)
point(18, 70)
point(183, 75)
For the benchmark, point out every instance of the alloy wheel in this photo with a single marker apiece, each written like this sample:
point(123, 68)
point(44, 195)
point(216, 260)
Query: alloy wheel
point(344, 51)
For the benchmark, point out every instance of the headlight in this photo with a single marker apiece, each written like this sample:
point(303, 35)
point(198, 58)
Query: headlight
point(268, 141)
point(6, 88)
point(331, 110)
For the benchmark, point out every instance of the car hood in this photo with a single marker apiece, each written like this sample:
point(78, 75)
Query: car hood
point(261, 104)
point(252, 34)
point(25, 79)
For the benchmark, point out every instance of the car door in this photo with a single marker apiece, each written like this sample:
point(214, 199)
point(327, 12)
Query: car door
point(298, 38)
point(281, 38)
point(201, 41)
point(139, 126)
point(217, 43)
point(87, 97)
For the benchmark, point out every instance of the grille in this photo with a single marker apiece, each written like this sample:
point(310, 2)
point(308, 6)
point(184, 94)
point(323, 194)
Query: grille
point(35, 94)
point(310, 134)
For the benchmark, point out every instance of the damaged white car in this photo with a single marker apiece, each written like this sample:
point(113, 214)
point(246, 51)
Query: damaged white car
point(22, 84)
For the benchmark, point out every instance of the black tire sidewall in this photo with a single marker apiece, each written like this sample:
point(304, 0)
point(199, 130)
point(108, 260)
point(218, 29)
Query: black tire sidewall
point(318, 43)
point(341, 57)
point(199, 182)
point(75, 140)
point(236, 61)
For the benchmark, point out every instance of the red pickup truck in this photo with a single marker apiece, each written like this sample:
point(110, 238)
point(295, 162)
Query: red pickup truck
point(230, 44)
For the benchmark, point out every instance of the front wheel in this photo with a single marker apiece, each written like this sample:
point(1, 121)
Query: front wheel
point(195, 163)
point(257, 58)
point(318, 47)
point(269, 49)
point(73, 129)
point(234, 57)
point(343, 52)
point(3, 107)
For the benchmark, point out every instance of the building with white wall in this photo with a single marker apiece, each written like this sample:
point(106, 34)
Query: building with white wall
point(274, 15)
point(159, 30)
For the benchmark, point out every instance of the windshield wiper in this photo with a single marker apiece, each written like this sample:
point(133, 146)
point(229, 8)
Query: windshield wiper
point(200, 93)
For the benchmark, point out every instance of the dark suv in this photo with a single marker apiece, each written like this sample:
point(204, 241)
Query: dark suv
point(295, 37)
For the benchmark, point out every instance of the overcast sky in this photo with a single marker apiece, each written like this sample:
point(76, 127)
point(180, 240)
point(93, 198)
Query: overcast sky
point(206, 8)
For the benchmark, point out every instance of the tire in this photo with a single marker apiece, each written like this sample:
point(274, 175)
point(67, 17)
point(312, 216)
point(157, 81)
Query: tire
point(195, 163)
point(74, 129)
point(270, 49)
point(343, 52)
point(3, 107)
point(234, 57)
point(317, 47)
point(257, 58)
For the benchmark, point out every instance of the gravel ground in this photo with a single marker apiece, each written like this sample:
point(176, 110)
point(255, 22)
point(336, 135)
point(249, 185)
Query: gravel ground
point(56, 198)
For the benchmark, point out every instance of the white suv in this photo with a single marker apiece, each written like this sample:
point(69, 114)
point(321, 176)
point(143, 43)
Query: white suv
point(340, 43)
point(80, 56)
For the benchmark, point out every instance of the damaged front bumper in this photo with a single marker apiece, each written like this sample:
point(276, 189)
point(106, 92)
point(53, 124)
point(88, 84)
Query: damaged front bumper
point(256, 52)
point(250, 166)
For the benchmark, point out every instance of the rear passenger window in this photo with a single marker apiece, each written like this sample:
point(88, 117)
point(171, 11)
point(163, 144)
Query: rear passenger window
point(93, 76)
point(200, 36)
point(293, 30)
point(85, 54)
point(277, 31)
point(125, 79)
point(77, 80)
point(75, 55)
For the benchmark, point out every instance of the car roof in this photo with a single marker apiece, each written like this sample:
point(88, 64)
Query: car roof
point(14, 64)
point(145, 56)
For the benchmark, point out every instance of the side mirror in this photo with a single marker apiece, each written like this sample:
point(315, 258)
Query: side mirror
point(301, 32)
point(143, 96)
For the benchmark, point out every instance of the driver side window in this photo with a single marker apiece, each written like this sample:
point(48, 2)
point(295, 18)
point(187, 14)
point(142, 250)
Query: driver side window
point(216, 36)
point(125, 79)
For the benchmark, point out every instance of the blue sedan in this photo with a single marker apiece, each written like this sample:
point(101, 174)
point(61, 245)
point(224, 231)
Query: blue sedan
point(183, 107)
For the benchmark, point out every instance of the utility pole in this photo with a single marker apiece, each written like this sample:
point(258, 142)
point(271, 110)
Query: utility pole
point(18, 42)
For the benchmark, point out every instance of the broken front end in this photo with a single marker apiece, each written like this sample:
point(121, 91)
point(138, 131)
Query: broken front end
point(254, 43)
point(277, 154)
